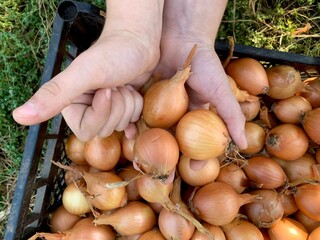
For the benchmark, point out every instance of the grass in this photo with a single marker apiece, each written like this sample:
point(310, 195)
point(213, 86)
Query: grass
point(25, 31)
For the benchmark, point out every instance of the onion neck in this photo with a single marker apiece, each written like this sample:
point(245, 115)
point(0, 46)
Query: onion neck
point(246, 198)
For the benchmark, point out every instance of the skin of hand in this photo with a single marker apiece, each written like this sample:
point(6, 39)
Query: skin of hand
point(97, 92)
point(189, 22)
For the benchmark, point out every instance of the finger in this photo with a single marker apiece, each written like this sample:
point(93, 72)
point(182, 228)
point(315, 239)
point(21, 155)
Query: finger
point(138, 104)
point(129, 108)
point(116, 112)
point(131, 131)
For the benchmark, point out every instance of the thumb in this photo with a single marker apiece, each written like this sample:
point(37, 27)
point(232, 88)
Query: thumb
point(55, 95)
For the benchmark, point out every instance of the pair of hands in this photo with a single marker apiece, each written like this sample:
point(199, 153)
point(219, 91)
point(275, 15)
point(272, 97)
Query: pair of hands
point(98, 92)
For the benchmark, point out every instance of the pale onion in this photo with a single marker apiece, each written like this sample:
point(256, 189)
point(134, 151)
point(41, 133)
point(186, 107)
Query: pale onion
point(198, 177)
point(313, 92)
point(287, 142)
point(289, 204)
point(201, 135)
point(255, 135)
point(250, 109)
point(265, 211)
point(215, 231)
point(287, 228)
point(103, 153)
point(249, 74)
point(153, 234)
point(234, 176)
point(166, 101)
point(265, 171)
point(290, 110)
point(307, 222)
point(134, 218)
point(241, 230)
point(61, 220)
point(284, 82)
point(127, 174)
point(307, 198)
point(310, 122)
point(74, 200)
point(315, 234)
point(75, 149)
point(218, 203)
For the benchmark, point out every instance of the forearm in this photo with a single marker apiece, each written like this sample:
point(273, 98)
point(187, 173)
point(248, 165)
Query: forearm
point(199, 19)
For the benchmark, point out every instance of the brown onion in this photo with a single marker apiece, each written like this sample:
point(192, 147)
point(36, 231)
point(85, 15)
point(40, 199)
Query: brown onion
point(250, 109)
point(289, 204)
point(307, 222)
point(287, 141)
point(201, 135)
point(313, 92)
point(70, 176)
point(218, 203)
point(103, 153)
point(310, 122)
point(318, 155)
point(127, 174)
point(287, 228)
point(255, 135)
point(153, 234)
point(75, 149)
point(315, 234)
point(307, 198)
point(265, 211)
point(249, 75)
point(264, 170)
point(215, 231)
point(284, 82)
point(241, 95)
point(242, 230)
point(234, 176)
point(198, 177)
point(61, 220)
point(156, 153)
point(290, 110)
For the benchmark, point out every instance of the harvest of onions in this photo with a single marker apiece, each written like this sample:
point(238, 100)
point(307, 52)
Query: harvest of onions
point(182, 177)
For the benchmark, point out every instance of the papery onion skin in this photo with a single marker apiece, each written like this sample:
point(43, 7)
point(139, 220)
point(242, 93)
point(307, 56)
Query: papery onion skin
point(284, 81)
point(315, 234)
point(71, 176)
point(218, 203)
point(153, 234)
point(128, 173)
point(265, 211)
point(290, 110)
point(250, 109)
point(287, 142)
point(313, 93)
point(249, 75)
point(75, 149)
point(307, 198)
point(156, 153)
point(307, 222)
point(310, 122)
point(215, 231)
point(287, 228)
point(255, 135)
point(242, 230)
point(208, 173)
point(61, 220)
point(264, 170)
point(201, 135)
point(289, 204)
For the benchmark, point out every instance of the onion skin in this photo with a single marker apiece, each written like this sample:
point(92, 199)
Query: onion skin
point(313, 93)
point(307, 198)
point(241, 230)
point(289, 204)
point(255, 135)
point(127, 174)
point(215, 231)
point(61, 220)
point(201, 135)
point(287, 228)
point(218, 203)
point(71, 176)
point(264, 170)
point(315, 234)
point(249, 75)
point(267, 211)
point(75, 149)
point(250, 109)
point(310, 122)
point(287, 142)
point(153, 234)
point(307, 222)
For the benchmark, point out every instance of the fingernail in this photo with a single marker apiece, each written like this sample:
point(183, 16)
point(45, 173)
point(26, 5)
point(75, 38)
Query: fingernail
point(26, 110)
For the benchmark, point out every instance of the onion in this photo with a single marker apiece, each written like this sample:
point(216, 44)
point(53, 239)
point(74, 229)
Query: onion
point(61, 220)
point(318, 155)
point(71, 176)
point(313, 93)
point(75, 149)
point(215, 231)
point(128, 173)
point(255, 135)
point(249, 75)
point(265, 211)
point(287, 142)
point(242, 230)
point(307, 198)
point(307, 222)
point(84, 229)
point(284, 82)
point(250, 109)
point(74, 200)
point(198, 177)
point(234, 176)
point(156, 207)
point(310, 122)
point(290, 110)
point(134, 218)
point(201, 135)
point(265, 171)
point(156, 153)
point(153, 234)
point(289, 204)
point(315, 234)
point(241, 95)
point(103, 153)
point(267, 118)
point(287, 228)
point(218, 203)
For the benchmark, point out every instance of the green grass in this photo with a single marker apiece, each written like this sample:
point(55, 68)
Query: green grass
point(24, 36)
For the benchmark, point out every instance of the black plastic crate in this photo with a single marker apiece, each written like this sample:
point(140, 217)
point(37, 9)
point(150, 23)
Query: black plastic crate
point(40, 183)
